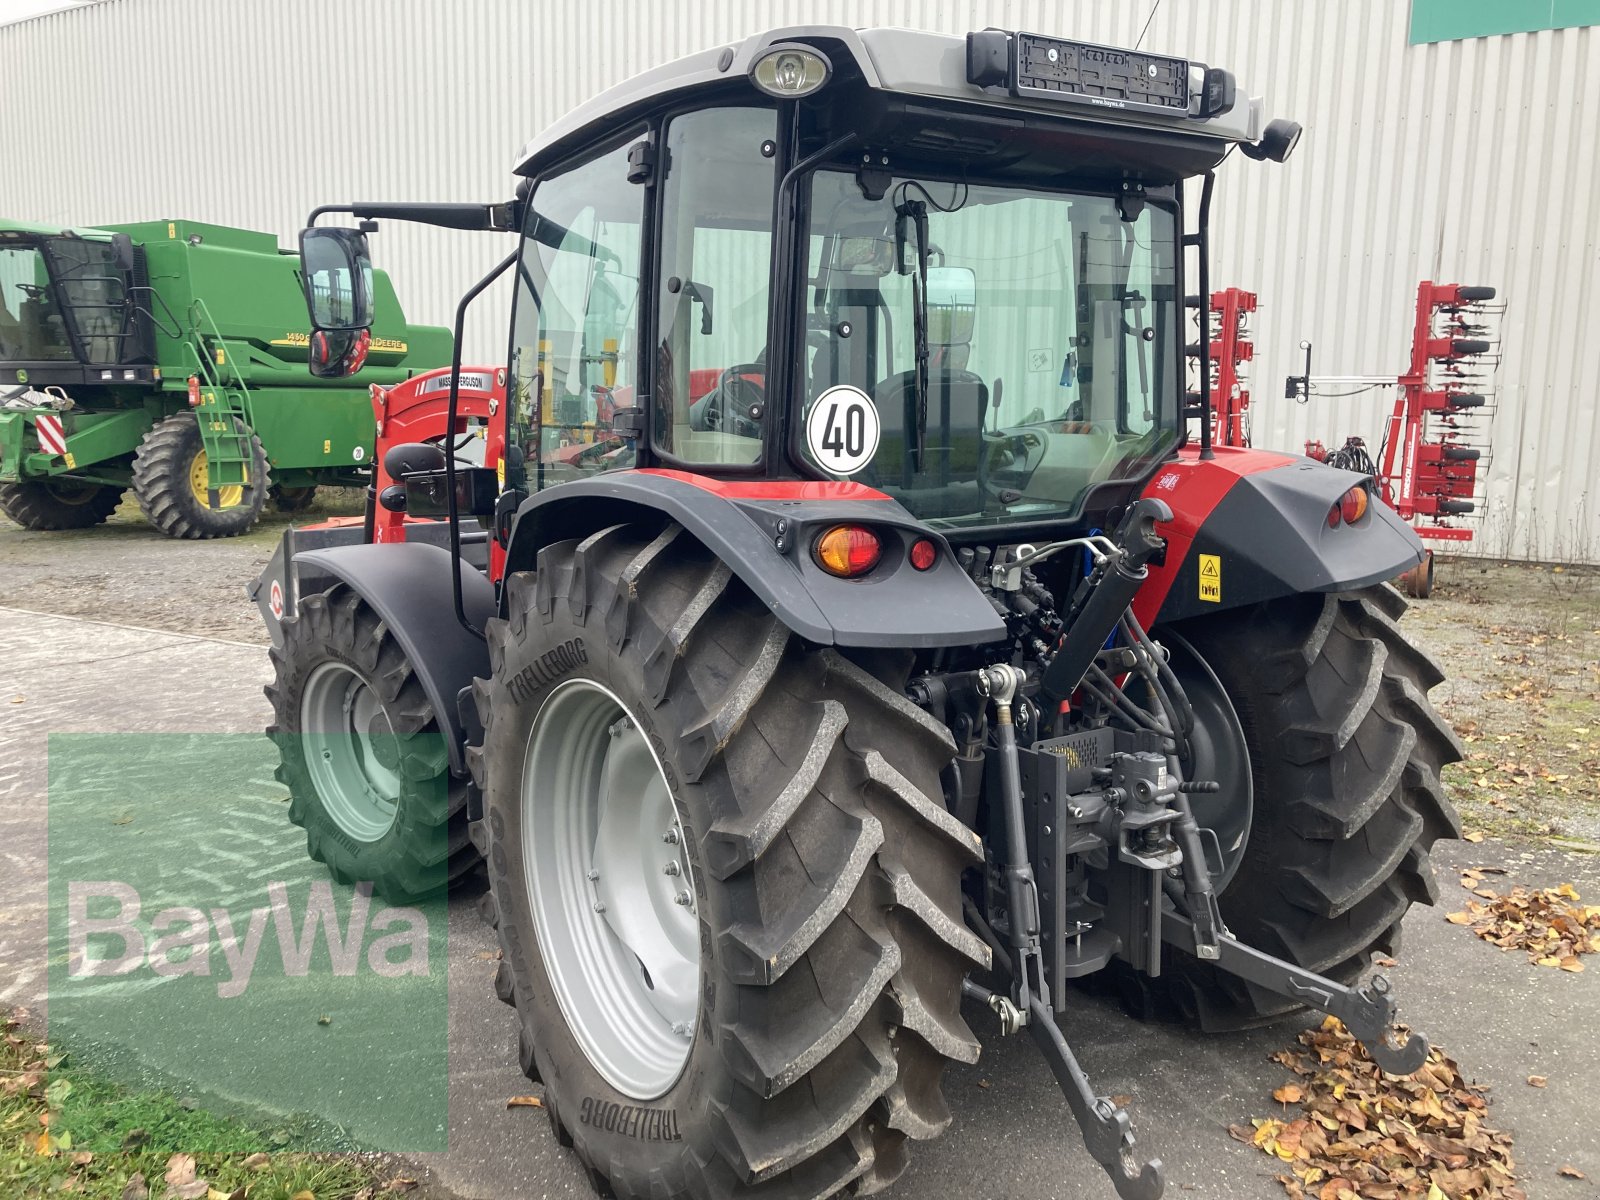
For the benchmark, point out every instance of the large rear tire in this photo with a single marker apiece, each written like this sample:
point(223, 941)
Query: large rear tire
point(362, 754)
point(1345, 753)
point(824, 880)
point(45, 505)
point(169, 475)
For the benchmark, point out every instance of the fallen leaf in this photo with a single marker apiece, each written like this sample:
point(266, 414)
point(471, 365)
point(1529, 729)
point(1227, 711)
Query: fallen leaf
point(135, 1188)
point(83, 1158)
point(1567, 1172)
point(1288, 1094)
point(42, 1146)
point(257, 1161)
point(400, 1184)
point(303, 1195)
point(180, 1170)
point(1473, 835)
point(195, 1189)
point(324, 1019)
point(525, 1102)
point(1537, 1081)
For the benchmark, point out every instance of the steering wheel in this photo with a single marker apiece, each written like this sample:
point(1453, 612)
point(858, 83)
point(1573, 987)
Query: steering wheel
point(736, 403)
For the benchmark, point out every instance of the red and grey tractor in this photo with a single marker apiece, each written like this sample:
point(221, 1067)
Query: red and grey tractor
point(841, 622)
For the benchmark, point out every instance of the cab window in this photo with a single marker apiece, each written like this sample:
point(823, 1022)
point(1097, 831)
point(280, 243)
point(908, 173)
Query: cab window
point(574, 348)
point(716, 246)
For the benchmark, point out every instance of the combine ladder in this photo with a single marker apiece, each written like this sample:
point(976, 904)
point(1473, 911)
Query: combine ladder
point(221, 401)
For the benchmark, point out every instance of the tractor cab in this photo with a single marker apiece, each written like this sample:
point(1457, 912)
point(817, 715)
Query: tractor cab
point(66, 311)
point(949, 270)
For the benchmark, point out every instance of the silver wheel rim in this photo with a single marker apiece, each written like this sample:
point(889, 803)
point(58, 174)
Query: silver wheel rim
point(351, 751)
point(611, 889)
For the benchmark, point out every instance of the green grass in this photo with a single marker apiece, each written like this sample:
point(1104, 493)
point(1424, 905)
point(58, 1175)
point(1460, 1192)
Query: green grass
point(66, 1129)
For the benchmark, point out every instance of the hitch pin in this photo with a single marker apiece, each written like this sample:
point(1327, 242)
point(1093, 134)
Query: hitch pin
point(1012, 1018)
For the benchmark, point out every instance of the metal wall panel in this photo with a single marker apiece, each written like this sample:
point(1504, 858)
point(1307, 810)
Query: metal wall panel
point(1471, 162)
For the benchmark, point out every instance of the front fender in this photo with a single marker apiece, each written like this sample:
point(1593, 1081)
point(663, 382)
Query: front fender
point(408, 585)
point(764, 531)
point(1250, 526)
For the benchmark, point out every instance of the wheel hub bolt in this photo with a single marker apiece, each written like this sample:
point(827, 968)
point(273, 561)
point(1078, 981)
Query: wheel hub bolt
point(682, 898)
point(681, 1028)
point(593, 875)
point(671, 868)
point(600, 906)
point(670, 837)
point(621, 727)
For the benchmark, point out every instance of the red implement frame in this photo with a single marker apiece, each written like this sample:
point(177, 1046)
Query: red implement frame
point(1427, 481)
point(1230, 346)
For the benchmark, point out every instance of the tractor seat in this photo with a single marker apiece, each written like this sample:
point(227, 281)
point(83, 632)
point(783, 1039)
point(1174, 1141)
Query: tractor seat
point(946, 480)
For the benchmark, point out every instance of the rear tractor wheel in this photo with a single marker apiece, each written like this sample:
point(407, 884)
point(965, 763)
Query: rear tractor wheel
point(1312, 712)
point(58, 504)
point(362, 754)
point(170, 477)
point(729, 910)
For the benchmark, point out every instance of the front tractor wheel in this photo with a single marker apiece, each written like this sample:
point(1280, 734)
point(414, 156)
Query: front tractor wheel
point(58, 504)
point(171, 475)
point(362, 754)
point(1312, 712)
point(729, 908)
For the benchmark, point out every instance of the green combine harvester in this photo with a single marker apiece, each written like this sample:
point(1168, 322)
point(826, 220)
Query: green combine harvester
point(170, 357)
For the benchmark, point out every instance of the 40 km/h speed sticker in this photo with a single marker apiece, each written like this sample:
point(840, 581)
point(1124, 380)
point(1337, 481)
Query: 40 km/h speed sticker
point(842, 430)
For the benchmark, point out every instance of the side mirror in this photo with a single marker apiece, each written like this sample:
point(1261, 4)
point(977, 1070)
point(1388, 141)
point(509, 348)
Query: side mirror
point(336, 271)
point(952, 305)
point(333, 354)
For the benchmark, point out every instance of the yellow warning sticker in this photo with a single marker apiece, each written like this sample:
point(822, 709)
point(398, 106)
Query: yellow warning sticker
point(327, 448)
point(1211, 578)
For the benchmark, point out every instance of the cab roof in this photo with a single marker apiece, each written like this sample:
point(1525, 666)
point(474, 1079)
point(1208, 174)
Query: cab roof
point(905, 61)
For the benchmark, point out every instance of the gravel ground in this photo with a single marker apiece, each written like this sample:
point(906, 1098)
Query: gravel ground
point(125, 571)
point(1521, 649)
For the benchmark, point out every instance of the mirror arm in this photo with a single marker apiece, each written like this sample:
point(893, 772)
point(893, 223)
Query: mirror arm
point(450, 432)
point(488, 218)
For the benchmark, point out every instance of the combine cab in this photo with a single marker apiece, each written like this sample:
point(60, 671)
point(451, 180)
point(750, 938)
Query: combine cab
point(840, 625)
point(170, 357)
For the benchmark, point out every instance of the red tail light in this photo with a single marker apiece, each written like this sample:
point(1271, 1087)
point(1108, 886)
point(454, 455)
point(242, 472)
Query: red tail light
point(847, 551)
point(924, 553)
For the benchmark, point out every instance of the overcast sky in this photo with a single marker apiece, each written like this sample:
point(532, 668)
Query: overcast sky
point(18, 10)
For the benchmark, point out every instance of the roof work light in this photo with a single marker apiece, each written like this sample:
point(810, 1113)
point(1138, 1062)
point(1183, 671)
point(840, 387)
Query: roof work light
point(790, 71)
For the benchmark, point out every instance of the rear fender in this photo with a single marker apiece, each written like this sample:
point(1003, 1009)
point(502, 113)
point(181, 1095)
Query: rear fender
point(764, 532)
point(408, 586)
point(1250, 525)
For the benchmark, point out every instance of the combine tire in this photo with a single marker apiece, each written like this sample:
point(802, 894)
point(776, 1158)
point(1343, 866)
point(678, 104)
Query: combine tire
point(43, 505)
point(169, 478)
point(362, 754)
point(729, 908)
point(293, 499)
point(1344, 755)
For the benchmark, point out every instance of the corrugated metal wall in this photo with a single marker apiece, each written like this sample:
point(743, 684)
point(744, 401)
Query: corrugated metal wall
point(1470, 162)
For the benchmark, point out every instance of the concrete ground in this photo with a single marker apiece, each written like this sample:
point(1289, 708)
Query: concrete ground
point(1502, 1019)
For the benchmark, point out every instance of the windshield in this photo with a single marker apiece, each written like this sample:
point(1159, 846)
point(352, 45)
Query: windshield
point(31, 329)
point(1019, 345)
